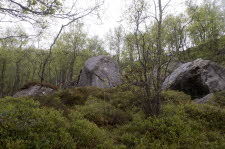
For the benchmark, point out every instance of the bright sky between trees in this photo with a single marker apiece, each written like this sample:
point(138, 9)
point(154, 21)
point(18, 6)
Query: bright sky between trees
point(111, 16)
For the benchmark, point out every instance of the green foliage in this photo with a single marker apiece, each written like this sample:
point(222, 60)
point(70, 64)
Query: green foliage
point(71, 98)
point(211, 50)
point(89, 117)
point(103, 113)
point(42, 8)
point(79, 95)
point(124, 100)
point(174, 33)
point(116, 98)
point(207, 22)
point(218, 99)
point(211, 116)
point(52, 101)
point(21, 63)
point(175, 97)
point(24, 124)
point(165, 132)
point(108, 121)
point(87, 134)
point(172, 129)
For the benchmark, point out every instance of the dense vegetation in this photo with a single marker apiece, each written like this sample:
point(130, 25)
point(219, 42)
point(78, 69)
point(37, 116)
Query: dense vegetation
point(110, 118)
point(135, 115)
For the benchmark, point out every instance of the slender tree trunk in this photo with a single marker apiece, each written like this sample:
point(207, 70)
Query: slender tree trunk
point(72, 62)
point(71, 69)
point(2, 85)
point(156, 101)
point(17, 78)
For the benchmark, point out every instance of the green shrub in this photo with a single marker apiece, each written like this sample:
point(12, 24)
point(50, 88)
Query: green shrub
point(218, 99)
point(79, 95)
point(172, 129)
point(52, 101)
point(129, 140)
point(24, 124)
point(87, 134)
point(175, 97)
point(70, 97)
point(211, 116)
point(91, 91)
point(125, 100)
point(116, 96)
point(159, 133)
point(103, 113)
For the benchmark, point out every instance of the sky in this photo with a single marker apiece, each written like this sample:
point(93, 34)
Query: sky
point(111, 16)
point(113, 12)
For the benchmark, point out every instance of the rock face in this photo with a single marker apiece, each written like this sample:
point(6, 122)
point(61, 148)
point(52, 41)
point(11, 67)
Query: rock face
point(100, 71)
point(204, 99)
point(198, 78)
point(35, 90)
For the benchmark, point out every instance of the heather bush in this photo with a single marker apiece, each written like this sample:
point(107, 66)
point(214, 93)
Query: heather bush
point(87, 134)
point(92, 118)
point(103, 113)
point(172, 129)
point(210, 116)
point(218, 99)
point(175, 97)
point(24, 125)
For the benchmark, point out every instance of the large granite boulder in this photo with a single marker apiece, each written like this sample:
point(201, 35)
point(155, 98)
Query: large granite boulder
point(198, 78)
point(35, 89)
point(100, 71)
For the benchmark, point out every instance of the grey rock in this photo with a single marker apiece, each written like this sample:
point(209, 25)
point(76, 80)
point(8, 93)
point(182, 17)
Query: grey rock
point(198, 78)
point(70, 84)
point(204, 99)
point(100, 71)
point(35, 90)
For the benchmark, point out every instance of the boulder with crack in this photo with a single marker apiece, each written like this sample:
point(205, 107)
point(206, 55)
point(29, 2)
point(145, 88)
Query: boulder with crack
point(198, 78)
point(100, 71)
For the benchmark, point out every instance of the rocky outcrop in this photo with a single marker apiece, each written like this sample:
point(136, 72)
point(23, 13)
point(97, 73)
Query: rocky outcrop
point(204, 99)
point(35, 90)
point(100, 71)
point(198, 78)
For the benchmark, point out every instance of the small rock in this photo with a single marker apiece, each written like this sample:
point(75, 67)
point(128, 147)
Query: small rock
point(204, 99)
point(35, 90)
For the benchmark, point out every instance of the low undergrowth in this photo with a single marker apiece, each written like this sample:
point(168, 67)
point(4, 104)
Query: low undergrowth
point(110, 118)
